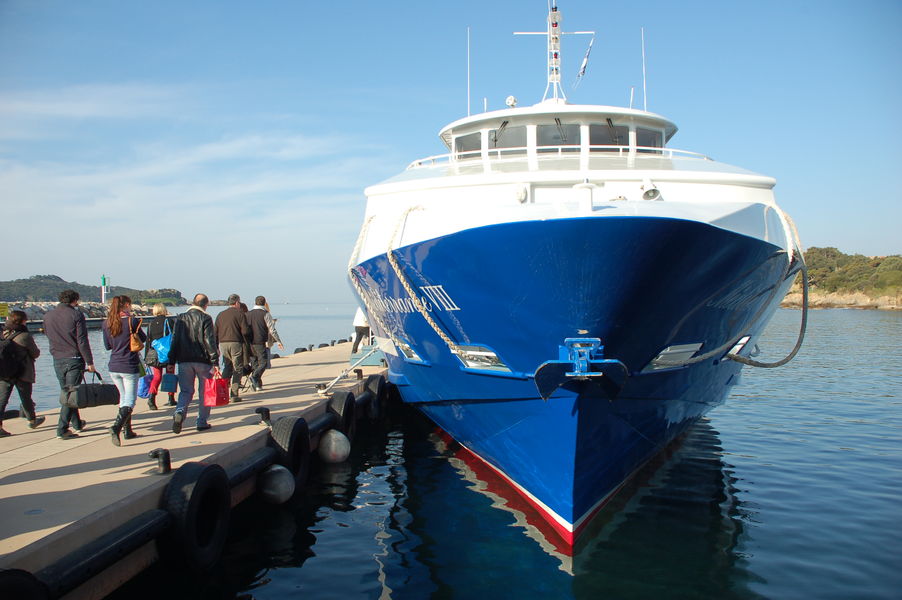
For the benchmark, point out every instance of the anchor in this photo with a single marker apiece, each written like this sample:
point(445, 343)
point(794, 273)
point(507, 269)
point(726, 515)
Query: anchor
point(581, 367)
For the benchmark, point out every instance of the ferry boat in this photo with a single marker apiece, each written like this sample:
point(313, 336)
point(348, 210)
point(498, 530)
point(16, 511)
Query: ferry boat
point(564, 294)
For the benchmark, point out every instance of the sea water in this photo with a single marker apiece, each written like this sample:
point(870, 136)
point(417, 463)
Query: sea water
point(792, 489)
point(298, 325)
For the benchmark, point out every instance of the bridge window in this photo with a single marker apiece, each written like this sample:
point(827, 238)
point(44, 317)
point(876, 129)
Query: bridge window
point(467, 146)
point(557, 135)
point(608, 134)
point(508, 137)
point(649, 138)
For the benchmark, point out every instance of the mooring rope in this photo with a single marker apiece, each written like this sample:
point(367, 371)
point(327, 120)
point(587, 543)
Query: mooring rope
point(417, 303)
point(763, 365)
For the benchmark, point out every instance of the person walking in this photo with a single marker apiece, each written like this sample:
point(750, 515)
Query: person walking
point(28, 351)
point(361, 329)
point(155, 331)
point(194, 352)
point(124, 362)
point(67, 334)
point(232, 331)
point(262, 328)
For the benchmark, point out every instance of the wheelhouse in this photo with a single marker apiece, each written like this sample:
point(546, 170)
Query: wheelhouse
point(558, 129)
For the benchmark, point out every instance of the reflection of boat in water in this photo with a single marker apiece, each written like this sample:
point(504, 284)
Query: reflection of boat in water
point(678, 513)
point(562, 293)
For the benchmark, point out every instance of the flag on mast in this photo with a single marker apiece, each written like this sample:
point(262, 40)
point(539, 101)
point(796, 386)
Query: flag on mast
point(582, 67)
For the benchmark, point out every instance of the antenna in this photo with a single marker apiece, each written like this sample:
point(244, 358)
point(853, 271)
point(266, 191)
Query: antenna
point(554, 34)
point(644, 88)
point(632, 93)
point(468, 71)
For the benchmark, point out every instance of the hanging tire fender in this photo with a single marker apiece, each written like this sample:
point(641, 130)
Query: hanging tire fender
point(343, 405)
point(22, 585)
point(375, 384)
point(290, 436)
point(199, 501)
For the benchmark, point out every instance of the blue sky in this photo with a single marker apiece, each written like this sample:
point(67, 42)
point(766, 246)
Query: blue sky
point(224, 146)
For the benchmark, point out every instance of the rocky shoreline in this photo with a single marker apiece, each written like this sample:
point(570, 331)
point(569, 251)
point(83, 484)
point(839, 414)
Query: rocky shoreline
point(818, 299)
point(91, 310)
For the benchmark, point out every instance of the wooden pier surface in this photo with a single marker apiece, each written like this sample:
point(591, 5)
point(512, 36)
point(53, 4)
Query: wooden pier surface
point(56, 495)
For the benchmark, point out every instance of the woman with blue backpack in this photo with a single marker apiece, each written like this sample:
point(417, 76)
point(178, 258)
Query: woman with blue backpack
point(159, 328)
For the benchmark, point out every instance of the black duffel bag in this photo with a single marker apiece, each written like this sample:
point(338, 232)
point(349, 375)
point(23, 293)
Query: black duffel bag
point(86, 395)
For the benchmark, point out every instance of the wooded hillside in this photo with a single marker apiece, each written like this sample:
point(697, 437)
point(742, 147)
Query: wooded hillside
point(46, 288)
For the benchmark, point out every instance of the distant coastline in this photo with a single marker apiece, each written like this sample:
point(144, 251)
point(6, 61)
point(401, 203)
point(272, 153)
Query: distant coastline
point(860, 300)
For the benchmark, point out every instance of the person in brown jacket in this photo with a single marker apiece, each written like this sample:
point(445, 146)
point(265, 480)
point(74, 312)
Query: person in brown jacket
point(232, 334)
point(16, 331)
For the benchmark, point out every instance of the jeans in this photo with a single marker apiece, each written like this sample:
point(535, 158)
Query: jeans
point(24, 389)
point(69, 371)
point(188, 373)
point(127, 384)
point(359, 334)
point(258, 361)
point(233, 360)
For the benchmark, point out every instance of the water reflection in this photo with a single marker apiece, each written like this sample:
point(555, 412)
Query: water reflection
point(408, 517)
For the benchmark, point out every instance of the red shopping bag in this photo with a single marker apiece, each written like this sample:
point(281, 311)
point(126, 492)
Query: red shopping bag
point(216, 391)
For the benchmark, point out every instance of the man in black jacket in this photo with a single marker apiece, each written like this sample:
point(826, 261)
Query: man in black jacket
point(195, 352)
point(67, 333)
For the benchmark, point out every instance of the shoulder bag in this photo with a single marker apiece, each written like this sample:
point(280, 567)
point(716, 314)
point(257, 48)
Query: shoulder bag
point(161, 345)
point(134, 341)
point(87, 395)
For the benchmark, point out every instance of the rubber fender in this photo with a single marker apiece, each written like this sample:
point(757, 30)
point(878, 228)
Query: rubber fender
point(290, 436)
point(199, 501)
point(343, 405)
point(376, 385)
point(323, 346)
point(296, 350)
point(22, 585)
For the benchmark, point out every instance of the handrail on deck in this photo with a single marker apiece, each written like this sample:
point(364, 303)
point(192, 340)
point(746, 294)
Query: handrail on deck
point(546, 151)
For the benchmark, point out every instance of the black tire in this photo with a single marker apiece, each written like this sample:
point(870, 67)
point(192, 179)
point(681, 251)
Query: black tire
point(376, 385)
point(343, 405)
point(22, 585)
point(199, 501)
point(290, 437)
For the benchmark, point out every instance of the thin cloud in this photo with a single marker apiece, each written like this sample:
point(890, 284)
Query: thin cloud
point(98, 101)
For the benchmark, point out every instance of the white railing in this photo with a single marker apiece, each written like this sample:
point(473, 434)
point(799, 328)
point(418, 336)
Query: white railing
point(551, 151)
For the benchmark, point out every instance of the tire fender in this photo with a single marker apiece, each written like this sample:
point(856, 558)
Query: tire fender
point(343, 405)
point(22, 585)
point(376, 385)
point(199, 500)
point(290, 436)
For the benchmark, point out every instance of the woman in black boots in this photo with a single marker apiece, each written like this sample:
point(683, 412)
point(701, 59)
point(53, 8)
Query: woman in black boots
point(124, 362)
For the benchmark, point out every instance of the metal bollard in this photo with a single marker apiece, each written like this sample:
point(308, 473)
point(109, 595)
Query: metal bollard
point(163, 464)
point(264, 416)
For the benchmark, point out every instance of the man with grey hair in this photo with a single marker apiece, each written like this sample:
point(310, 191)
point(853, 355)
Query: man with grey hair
point(232, 332)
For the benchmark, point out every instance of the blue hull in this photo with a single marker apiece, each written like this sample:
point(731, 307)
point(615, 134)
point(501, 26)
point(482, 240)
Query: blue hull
point(520, 289)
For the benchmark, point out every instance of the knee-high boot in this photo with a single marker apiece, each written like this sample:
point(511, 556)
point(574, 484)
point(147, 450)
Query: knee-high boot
point(129, 433)
point(124, 413)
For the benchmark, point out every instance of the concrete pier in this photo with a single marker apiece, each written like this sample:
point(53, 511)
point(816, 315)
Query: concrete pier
point(58, 496)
